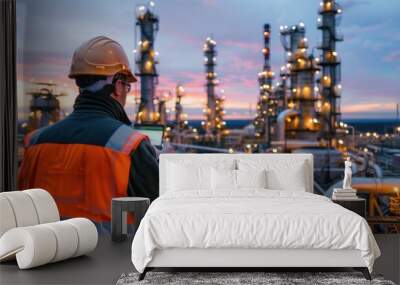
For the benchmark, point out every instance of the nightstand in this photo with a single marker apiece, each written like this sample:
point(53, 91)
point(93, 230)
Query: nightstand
point(358, 206)
point(119, 208)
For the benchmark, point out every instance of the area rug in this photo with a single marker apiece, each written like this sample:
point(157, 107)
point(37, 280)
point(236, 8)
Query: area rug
point(243, 278)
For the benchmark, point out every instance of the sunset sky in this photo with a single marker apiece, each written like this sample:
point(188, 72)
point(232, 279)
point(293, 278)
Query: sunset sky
point(48, 31)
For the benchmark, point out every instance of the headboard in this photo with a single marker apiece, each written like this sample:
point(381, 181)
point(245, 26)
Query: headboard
point(210, 158)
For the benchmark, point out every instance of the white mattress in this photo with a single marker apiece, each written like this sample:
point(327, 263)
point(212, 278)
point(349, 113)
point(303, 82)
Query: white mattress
point(253, 219)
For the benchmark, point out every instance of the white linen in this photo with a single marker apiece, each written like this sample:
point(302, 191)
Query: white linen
point(252, 218)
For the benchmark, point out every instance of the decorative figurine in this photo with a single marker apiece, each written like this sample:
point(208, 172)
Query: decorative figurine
point(347, 174)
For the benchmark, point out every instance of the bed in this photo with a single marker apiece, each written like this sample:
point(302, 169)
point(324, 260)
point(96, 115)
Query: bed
point(244, 211)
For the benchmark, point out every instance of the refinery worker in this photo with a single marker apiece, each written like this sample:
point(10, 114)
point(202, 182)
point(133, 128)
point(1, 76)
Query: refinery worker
point(93, 154)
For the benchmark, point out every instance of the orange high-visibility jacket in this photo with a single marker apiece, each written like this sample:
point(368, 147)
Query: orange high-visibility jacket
point(83, 161)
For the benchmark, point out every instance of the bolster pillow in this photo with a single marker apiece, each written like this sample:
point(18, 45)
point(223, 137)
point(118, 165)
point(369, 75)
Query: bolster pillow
point(40, 244)
point(26, 208)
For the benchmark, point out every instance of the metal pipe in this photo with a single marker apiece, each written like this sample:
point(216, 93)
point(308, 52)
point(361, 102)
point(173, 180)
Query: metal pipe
point(281, 123)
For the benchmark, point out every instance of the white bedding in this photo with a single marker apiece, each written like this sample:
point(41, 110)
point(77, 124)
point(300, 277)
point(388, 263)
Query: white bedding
point(252, 218)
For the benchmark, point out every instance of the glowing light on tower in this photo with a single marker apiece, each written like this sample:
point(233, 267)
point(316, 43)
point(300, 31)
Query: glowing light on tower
point(329, 61)
point(301, 69)
point(146, 60)
point(267, 102)
point(214, 124)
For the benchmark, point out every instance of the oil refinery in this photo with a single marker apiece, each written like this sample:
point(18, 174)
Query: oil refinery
point(298, 111)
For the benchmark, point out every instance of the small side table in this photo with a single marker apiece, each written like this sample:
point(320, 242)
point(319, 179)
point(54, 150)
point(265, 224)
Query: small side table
point(119, 208)
point(358, 206)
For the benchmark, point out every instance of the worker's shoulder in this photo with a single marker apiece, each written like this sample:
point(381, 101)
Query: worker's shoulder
point(32, 137)
point(76, 130)
point(125, 139)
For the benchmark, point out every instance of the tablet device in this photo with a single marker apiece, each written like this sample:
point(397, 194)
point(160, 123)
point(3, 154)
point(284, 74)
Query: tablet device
point(153, 131)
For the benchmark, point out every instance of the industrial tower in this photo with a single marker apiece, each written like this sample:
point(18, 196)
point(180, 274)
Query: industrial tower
point(180, 117)
point(162, 114)
point(280, 90)
point(214, 124)
point(44, 107)
point(267, 103)
point(329, 106)
point(146, 61)
point(302, 68)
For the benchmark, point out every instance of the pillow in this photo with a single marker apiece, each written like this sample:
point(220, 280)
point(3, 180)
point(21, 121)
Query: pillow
point(281, 173)
point(182, 177)
point(223, 179)
point(251, 178)
point(280, 180)
point(186, 174)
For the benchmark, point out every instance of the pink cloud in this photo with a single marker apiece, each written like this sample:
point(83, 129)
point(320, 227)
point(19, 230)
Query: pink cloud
point(369, 107)
point(254, 47)
point(392, 57)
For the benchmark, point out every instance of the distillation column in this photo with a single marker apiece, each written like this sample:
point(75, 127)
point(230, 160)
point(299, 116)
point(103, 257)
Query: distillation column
point(267, 103)
point(290, 39)
point(302, 68)
point(146, 62)
point(329, 107)
point(214, 124)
